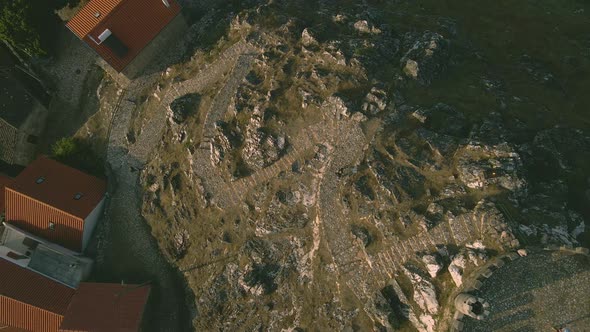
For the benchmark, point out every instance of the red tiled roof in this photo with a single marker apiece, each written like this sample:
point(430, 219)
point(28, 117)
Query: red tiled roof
point(106, 307)
point(28, 287)
point(133, 22)
point(60, 185)
point(4, 182)
point(85, 20)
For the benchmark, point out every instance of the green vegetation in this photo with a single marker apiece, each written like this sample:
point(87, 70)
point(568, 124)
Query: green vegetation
point(79, 154)
point(15, 26)
point(30, 25)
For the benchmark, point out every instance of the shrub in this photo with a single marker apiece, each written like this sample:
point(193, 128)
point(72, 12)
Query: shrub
point(79, 154)
point(65, 148)
point(30, 25)
point(17, 26)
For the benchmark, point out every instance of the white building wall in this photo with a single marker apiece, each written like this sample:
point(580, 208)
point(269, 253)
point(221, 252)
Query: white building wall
point(90, 223)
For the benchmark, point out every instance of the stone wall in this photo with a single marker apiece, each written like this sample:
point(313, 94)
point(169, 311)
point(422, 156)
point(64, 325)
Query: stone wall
point(34, 125)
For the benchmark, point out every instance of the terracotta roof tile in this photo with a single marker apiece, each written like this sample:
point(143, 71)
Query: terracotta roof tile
point(28, 287)
point(86, 19)
point(59, 187)
point(106, 307)
point(134, 22)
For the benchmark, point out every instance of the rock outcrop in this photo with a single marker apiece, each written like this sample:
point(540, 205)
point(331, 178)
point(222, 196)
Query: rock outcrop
point(480, 166)
point(426, 58)
point(433, 264)
point(319, 160)
point(469, 257)
point(260, 147)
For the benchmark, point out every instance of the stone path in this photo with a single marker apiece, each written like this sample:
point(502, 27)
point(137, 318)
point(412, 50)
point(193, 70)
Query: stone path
point(456, 231)
point(212, 180)
point(151, 134)
point(125, 231)
point(364, 274)
point(124, 225)
point(227, 194)
point(224, 193)
point(222, 101)
point(348, 253)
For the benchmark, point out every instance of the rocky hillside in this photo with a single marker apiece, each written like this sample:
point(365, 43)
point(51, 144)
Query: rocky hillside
point(342, 165)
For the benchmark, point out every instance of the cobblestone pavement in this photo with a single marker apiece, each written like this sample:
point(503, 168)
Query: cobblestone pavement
point(125, 160)
point(354, 266)
point(241, 52)
point(70, 68)
point(537, 293)
point(126, 230)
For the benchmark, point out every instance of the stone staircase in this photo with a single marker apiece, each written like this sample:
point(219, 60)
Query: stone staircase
point(457, 231)
point(231, 193)
point(225, 96)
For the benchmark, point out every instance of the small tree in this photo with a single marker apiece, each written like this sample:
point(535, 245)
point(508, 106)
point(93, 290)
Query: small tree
point(31, 25)
point(65, 148)
point(78, 154)
point(18, 26)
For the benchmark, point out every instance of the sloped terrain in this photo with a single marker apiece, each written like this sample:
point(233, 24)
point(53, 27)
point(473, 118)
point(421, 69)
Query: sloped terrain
point(345, 165)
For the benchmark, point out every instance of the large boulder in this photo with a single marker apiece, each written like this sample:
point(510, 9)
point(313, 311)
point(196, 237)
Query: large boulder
point(375, 101)
point(307, 39)
point(456, 268)
point(433, 264)
point(180, 109)
point(180, 244)
point(261, 148)
point(363, 26)
point(424, 295)
point(424, 292)
point(468, 258)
